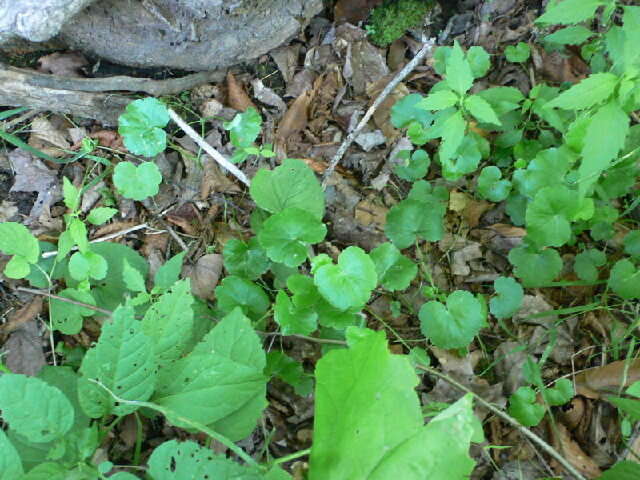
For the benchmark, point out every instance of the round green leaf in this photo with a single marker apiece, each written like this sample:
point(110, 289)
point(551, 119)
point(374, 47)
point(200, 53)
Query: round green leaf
point(535, 268)
point(509, 298)
point(10, 464)
point(137, 183)
point(490, 185)
point(406, 111)
point(292, 320)
point(479, 61)
point(586, 264)
point(395, 271)
point(87, 265)
point(549, 216)
point(453, 325)
point(15, 239)
point(141, 127)
point(247, 260)
point(100, 215)
point(518, 53)
point(239, 292)
point(632, 243)
point(624, 279)
point(287, 234)
point(411, 219)
point(524, 408)
point(244, 128)
point(348, 284)
point(414, 167)
point(560, 393)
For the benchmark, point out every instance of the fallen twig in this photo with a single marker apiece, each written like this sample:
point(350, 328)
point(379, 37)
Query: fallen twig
point(426, 48)
point(45, 293)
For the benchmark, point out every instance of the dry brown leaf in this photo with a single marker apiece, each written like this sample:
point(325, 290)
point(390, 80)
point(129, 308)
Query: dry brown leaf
point(23, 350)
point(474, 210)
point(294, 120)
point(286, 59)
point(572, 452)
point(237, 98)
point(22, 316)
point(214, 179)
point(353, 11)
point(45, 136)
point(396, 59)
point(607, 379)
point(64, 64)
point(205, 275)
point(7, 210)
point(113, 227)
point(558, 67)
point(266, 95)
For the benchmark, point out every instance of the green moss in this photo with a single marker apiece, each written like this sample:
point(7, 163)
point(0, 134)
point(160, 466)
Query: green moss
point(393, 18)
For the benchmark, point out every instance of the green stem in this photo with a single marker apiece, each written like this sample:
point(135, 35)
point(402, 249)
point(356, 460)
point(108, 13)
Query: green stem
point(292, 456)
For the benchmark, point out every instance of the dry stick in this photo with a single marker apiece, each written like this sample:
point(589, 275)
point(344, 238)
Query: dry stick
point(44, 293)
point(103, 239)
point(426, 48)
point(213, 153)
point(507, 418)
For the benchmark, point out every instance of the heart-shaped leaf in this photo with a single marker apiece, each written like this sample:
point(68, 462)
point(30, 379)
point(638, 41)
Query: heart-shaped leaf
point(509, 298)
point(395, 271)
point(142, 125)
point(137, 183)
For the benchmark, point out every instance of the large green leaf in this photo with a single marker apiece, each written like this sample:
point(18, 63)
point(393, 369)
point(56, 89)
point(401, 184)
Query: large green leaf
point(292, 184)
point(535, 268)
point(570, 11)
point(395, 271)
point(459, 76)
point(623, 470)
point(624, 279)
point(550, 214)
point(67, 317)
point(354, 435)
point(16, 240)
point(168, 322)
point(37, 411)
point(221, 382)
point(10, 464)
point(123, 361)
point(509, 298)
point(141, 126)
point(247, 260)
point(239, 292)
point(592, 90)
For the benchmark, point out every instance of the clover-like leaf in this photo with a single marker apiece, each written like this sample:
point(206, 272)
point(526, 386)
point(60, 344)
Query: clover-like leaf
point(244, 128)
point(294, 320)
point(491, 185)
point(287, 235)
point(519, 53)
point(348, 284)
point(560, 393)
point(83, 266)
point(509, 298)
point(137, 183)
point(415, 165)
point(632, 243)
point(549, 216)
point(141, 127)
point(455, 324)
point(524, 408)
point(16, 240)
point(586, 264)
point(535, 268)
point(407, 110)
point(288, 370)
point(247, 260)
point(624, 279)
point(395, 271)
point(239, 292)
point(479, 61)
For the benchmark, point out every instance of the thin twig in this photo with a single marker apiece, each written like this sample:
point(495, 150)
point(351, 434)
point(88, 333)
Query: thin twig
point(507, 418)
point(426, 48)
point(103, 239)
point(44, 293)
point(213, 153)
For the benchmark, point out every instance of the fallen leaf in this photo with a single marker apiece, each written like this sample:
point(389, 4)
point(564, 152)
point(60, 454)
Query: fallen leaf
point(286, 59)
point(237, 98)
point(23, 350)
point(353, 11)
point(63, 64)
point(45, 136)
point(294, 119)
point(572, 452)
point(205, 274)
point(607, 379)
point(25, 314)
point(267, 96)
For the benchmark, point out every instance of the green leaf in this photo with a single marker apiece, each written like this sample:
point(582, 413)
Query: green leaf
point(100, 215)
point(439, 100)
point(524, 408)
point(632, 243)
point(33, 409)
point(220, 383)
point(569, 12)
point(407, 110)
point(141, 127)
point(502, 99)
point(348, 284)
point(357, 387)
point(87, 265)
point(575, 35)
point(587, 262)
point(491, 186)
point(239, 292)
point(293, 320)
point(122, 360)
point(479, 61)
point(290, 371)
point(67, 317)
point(132, 278)
point(247, 260)
point(137, 183)
point(629, 406)
point(623, 470)
point(459, 76)
point(591, 91)
point(519, 53)
point(244, 128)
point(415, 166)
point(606, 133)
point(535, 268)
point(292, 184)
point(509, 298)
point(187, 460)
point(560, 393)
point(10, 464)
point(453, 134)
point(453, 325)
point(547, 169)
point(481, 109)
point(70, 194)
point(169, 272)
point(168, 322)
point(624, 279)
point(287, 235)
point(549, 216)
point(16, 240)
point(395, 271)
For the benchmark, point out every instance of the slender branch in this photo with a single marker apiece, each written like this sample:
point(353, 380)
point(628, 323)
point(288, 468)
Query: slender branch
point(426, 48)
point(509, 419)
point(217, 156)
point(44, 293)
point(292, 456)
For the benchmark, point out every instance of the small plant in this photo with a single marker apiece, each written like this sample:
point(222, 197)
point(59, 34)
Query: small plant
point(393, 18)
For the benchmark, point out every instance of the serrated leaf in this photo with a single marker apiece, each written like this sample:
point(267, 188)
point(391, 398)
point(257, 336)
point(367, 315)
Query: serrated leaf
point(547, 169)
point(239, 292)
point(406, 110)
point(453, 131)
point(560, 393)
point(491, 185)
point(137, 183)
point(481, 109)
point(70, 194)
point(550, 214)
point(517, 53)
point(357, 387)
point(122, 360)
point(287, 235)
point(569, 12)
point(83, 266)
point(67, 317)
point(439, 100)
point(502, 99)
point(455, 324)
point(10, 464)
point(15, 239)
point(395, 271)
point(168, 322)
point(37, 411)
point(132, 278)
point(535, 268)
point(292, 184)
point(458, 71)
point(187, 460)
point(347, 285)
point(575, 35)
point(244, 128)
point(141, 127)
point(247, 260)
point(220, 383)
point(100, 215)
point(586, 264)
point(524, 408)
point(594, 89)
point(169, 272)
point(624, 279)
point(509, 298)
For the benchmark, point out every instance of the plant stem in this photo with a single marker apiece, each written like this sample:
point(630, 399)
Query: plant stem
point(138, 446)
point(64, 299)
point(292, 456)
